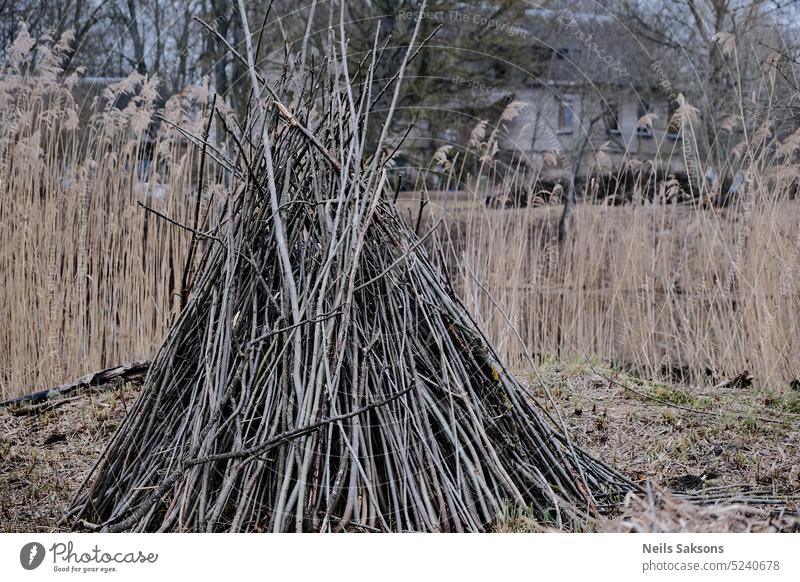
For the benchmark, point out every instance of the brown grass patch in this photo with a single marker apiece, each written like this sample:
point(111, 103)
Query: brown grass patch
point(43, 457)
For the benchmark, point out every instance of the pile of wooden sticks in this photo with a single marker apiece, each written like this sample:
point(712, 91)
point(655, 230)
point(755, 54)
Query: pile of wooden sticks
point(323, 375)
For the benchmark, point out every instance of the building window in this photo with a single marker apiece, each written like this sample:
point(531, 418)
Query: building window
point(644, 128)
point(612, 119)
point(566, 115)
point(450, 135)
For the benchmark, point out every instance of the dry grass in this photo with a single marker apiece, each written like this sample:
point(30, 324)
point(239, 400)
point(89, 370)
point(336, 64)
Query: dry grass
point(666, 290)
point(44, 457)
point(733, 457)
point(736, 448)
point(88, 277)
point(725, 442)
point(663, 513)
point(693, 284)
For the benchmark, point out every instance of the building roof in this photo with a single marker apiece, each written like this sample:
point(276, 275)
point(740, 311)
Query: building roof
point(587, 47)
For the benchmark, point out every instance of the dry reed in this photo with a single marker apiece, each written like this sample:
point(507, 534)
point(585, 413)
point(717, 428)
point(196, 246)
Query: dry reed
point(648, 287)
point(669, 285)
point(686, 291)
point(88, 277)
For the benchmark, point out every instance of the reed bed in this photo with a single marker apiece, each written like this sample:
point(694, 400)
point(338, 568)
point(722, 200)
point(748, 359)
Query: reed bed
point(680, 290)
point(668, 291)
point(679, 282)
point(89, 278)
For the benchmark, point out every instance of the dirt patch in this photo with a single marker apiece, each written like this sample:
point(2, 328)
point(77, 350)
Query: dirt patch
point(45, 454)
point(736, 447)
point(727, 443)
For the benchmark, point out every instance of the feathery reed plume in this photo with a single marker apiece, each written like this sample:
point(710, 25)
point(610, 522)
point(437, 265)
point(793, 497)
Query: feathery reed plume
point(88, 277)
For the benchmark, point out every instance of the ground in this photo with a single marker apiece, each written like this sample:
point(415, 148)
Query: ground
point(734, 448)
point(737, 445)
point(46, 453)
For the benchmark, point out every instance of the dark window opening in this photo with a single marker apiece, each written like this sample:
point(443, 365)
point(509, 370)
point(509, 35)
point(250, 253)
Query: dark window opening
point(612, 119)
point(566, 117)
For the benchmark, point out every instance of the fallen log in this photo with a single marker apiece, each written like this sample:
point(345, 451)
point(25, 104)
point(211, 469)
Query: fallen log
point(125, 372)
